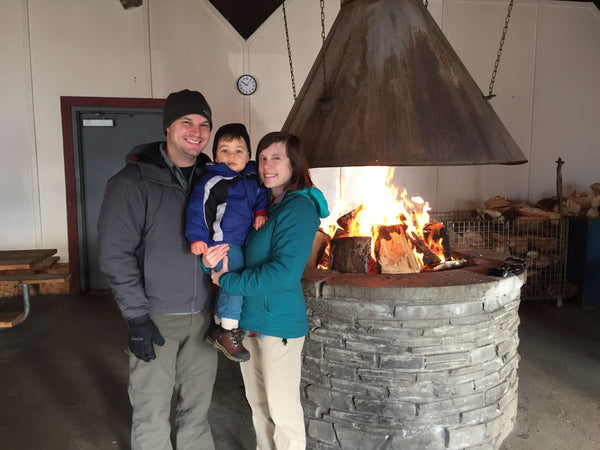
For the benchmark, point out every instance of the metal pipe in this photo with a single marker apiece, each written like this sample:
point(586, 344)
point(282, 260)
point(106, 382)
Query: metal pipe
point(26, 305)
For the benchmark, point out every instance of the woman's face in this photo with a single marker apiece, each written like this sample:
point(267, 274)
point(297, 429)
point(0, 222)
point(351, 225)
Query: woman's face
point(274, 167)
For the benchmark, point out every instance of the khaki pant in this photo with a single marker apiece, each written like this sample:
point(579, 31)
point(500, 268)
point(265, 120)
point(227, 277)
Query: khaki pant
point(186, 365)
point(272, 382)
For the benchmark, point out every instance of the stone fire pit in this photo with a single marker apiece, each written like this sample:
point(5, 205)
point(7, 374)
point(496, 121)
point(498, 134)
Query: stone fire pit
point(416, 361)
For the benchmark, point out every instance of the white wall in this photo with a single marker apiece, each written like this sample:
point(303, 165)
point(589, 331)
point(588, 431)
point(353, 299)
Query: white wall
point(546, 91)
point(19, 201)
point(566, 120)
point(193, 47)
point(465, 187)
point(78, 48)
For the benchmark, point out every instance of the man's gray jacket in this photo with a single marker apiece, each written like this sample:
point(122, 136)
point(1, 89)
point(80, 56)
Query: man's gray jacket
point(143, 252)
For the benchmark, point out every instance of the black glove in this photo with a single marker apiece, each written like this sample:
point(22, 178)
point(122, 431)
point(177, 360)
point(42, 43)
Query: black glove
point(142, 335)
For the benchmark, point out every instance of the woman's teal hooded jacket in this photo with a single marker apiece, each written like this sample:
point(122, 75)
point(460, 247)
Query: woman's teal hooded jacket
point(275, 257)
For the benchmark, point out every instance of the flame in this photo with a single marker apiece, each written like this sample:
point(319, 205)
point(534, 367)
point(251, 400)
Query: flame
point(383, 204)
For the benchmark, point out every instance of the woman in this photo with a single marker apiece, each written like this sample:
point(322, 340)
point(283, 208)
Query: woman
point(274, 310)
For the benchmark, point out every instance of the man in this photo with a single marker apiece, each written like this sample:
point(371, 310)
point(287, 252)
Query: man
point(158, 283)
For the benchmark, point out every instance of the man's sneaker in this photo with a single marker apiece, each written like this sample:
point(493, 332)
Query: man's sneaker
point(212, 334)
point(230, 343)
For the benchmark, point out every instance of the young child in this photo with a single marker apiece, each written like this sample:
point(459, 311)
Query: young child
point(225, 203)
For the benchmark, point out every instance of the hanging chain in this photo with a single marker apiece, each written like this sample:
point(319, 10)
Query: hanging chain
point(499, 54)
point(323, 48)
point(426, 3)
point(287, 40)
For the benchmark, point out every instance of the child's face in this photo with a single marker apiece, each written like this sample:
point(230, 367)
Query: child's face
point(234, 153)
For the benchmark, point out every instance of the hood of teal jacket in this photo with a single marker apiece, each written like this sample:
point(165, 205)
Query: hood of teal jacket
point(318, 199)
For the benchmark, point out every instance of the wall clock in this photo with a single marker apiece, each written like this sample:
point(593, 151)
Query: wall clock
point(246, 84)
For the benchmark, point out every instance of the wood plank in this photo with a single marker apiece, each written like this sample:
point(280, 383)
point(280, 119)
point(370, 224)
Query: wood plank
point(10, 319)
point(23, 259)
point(531, 212)
point(47, 263)
point(40, 278)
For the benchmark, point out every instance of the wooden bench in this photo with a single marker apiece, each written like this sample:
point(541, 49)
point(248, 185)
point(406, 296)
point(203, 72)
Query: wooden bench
point(24, 259)
point(35, 278)
point(47, 263)
point(10, 319)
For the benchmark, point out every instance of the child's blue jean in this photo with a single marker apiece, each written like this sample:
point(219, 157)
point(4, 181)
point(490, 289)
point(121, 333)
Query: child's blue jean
point(230, 306)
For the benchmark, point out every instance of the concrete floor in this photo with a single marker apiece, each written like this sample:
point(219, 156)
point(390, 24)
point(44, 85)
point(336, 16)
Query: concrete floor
point(63, 374)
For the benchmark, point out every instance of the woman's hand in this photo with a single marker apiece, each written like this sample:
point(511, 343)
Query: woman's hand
point(214, 275)
point(214, 254)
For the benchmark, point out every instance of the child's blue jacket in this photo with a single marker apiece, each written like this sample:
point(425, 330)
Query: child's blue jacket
point(223, 204)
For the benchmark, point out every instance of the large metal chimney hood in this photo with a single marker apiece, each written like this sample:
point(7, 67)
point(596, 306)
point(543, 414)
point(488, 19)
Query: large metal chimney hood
point(398, 96)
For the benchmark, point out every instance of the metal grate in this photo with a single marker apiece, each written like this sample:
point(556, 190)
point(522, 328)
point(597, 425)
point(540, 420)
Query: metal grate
point(541, 243)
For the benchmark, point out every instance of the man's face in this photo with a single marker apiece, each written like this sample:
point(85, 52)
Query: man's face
point(234, 153)
point(186, 138)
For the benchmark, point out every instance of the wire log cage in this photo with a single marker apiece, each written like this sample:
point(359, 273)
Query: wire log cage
point(541, 243)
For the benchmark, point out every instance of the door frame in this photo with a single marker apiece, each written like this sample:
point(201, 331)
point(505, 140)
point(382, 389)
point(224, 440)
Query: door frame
point(66, 111)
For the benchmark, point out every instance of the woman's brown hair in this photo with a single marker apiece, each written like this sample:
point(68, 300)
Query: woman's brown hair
point(293, 149)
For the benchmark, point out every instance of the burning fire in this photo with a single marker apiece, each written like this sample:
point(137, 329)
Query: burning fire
point(384, 205)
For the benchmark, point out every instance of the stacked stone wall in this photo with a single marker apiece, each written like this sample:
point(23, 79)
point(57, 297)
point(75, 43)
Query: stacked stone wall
point(411, 368)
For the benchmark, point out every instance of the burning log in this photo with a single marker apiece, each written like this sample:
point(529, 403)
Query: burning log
point(345, 220)
point(393, 252)
point(318, 248)
point(350, 254)
point(340, 233)
point(452, 264)
point(429, 258)
point(435, 231)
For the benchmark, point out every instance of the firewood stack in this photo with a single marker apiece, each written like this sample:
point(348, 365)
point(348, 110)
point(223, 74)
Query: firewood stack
point(531, 232)
point(576, 205)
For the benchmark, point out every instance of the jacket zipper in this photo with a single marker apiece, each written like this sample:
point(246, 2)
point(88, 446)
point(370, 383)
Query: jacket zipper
point(267, 307)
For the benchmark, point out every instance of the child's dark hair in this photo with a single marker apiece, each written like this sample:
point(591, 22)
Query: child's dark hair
point(293, 148)
point(230, 132)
